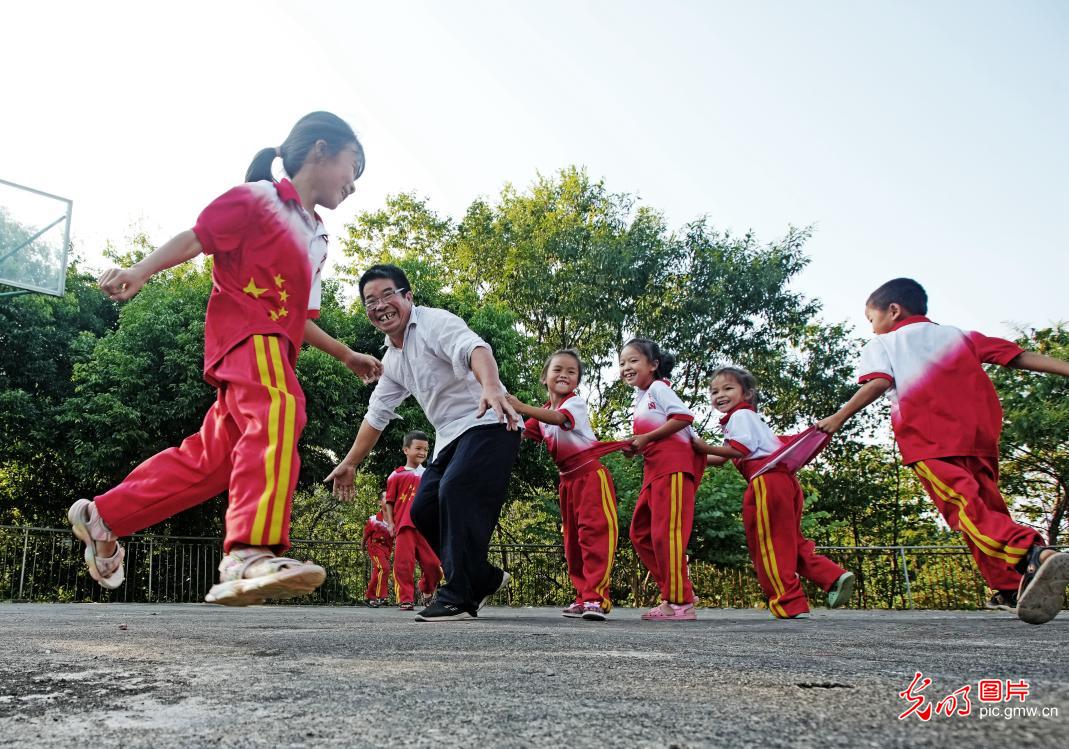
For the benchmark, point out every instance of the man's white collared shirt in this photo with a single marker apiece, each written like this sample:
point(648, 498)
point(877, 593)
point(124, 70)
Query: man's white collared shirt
point(434, 365)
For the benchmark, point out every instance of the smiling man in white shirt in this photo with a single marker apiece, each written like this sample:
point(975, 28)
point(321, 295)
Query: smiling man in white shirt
point(433, 355)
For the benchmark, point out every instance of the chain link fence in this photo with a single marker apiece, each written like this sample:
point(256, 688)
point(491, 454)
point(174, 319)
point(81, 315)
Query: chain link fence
point(46, 564)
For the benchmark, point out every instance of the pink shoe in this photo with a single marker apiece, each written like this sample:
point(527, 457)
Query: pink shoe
point(680, 613)
point(254, 575)
point(593, 612)
point(89, 527)
point(574, 611)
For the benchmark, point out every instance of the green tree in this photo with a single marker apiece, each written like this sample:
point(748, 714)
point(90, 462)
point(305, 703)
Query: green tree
point(41, 339)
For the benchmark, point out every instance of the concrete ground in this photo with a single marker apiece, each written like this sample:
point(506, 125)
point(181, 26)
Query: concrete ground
point(197, 675)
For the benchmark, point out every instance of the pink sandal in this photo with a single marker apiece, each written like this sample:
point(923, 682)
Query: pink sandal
point(254, 575)
point(680, 613)
point(88, 528)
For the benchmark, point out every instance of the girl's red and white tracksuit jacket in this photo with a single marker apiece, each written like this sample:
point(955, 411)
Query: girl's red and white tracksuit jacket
point(664, 513)
point(267, 254)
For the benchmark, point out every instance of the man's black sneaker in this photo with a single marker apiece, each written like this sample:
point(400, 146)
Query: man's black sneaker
point(443, 612)
point(1003, 600)
point(1043, 586)
point(505, 577)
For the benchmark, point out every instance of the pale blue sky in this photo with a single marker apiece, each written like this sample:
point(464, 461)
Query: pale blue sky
point(923, 139)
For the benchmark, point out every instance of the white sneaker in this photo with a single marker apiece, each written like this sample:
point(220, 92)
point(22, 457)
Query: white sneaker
point(505, 577)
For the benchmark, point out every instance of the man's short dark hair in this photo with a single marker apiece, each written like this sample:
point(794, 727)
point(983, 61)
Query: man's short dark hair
point(905, 292)
point(387, 271)
point(413, 436)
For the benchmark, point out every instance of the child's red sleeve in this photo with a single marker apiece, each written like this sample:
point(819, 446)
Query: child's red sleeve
point(391, 489)
point(994, 350)
point(221, 226)
point(532, 429)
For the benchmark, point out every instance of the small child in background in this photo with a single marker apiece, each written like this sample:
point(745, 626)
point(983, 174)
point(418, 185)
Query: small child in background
point(377, 541)
point(409, 545)
point(772, 504)
point(664, 513)
point(947, 419)
point(587, 494)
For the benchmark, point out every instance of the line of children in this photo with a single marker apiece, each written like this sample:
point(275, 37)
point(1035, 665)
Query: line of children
point(409, 545)
point(269, 247)
point(587, 495)
point(378, 538)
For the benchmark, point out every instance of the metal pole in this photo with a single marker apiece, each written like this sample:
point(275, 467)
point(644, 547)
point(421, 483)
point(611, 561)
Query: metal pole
point(22, 572)
point(149, 570)
point(905, 575)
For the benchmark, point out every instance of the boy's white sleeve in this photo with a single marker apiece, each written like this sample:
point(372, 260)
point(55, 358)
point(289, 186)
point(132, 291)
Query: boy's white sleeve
point(875, 363)
point(667, 400)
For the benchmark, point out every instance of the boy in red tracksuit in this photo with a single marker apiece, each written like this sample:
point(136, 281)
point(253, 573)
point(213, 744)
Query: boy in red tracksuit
point(410, 546)
point(377, 542)
point(947, 420)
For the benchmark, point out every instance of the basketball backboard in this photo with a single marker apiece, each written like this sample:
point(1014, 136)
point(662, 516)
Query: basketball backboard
point(34, 239)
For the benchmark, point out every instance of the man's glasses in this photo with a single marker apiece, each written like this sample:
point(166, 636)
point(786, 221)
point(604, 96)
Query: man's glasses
point(387, 295)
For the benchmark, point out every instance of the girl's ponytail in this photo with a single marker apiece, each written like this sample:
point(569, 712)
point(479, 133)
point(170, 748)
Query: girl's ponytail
point(309, 130)
point(668, 363)
point(260, 168)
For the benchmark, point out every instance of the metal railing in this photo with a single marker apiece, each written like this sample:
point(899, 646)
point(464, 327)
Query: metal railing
point(46, 564)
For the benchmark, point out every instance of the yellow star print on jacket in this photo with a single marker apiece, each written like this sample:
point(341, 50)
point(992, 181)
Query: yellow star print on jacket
point(267, 254)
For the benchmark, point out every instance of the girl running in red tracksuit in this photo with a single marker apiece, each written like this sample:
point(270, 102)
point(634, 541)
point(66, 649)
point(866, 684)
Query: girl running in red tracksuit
point(587, 495)
point(268, 247)
point(772, 505)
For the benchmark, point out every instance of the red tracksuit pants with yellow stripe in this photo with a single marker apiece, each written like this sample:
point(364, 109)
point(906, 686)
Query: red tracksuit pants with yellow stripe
point(247, 447)
point(965, 490)
point(660, 532)
point(411, 547)
point(781, 555)
point(591, 532)
point(378, 585)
